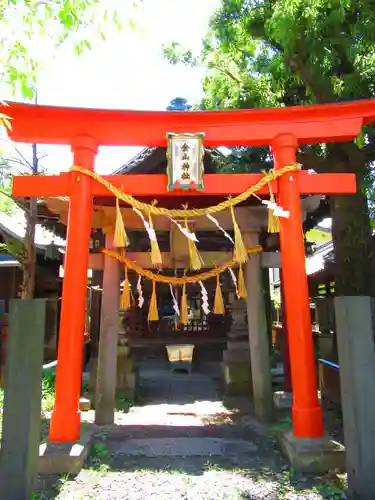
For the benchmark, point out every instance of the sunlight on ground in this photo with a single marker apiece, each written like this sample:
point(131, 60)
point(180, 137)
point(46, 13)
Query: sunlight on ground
point(195, 414)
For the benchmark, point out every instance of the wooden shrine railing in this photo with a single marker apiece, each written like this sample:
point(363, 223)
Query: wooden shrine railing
point(210, 327)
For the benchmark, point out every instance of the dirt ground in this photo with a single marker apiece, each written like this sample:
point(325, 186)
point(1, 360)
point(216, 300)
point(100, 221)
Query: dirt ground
point(183, 442)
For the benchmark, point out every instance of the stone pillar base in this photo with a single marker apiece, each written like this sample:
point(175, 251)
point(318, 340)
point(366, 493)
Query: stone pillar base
point(312, 455)
point(64, 458)
point(237, 378)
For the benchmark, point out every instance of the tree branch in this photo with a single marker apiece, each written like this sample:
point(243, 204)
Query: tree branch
point(228, 73)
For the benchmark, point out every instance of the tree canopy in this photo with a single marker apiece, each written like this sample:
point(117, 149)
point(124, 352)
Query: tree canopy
point(28, 29)
point(295, 52)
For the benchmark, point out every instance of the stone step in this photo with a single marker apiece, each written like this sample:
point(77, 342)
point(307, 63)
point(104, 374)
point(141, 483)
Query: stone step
point(184, 447)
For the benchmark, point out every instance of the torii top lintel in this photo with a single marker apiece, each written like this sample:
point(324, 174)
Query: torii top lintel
point(308, 124)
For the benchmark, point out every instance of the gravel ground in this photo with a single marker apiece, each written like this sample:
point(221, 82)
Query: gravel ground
point(217, 485)
point(146, 454)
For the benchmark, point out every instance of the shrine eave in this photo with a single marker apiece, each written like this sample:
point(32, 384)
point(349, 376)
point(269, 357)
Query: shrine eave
point(309, 124)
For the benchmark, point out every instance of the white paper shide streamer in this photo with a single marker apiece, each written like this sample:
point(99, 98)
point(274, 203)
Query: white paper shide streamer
point(141, 299)
point(174, 300)
point(205, 306)
point(150, 231)
point(185, 231)
point(216, 222)
point(276, 209)
point(234, 279)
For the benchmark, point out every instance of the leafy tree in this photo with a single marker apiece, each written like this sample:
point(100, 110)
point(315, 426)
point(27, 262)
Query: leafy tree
point(21, 163)
point(25, 25)
point(264, 53)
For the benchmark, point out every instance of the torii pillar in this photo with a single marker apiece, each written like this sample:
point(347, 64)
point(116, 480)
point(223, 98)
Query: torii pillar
point(65, 419)
point(307, 413)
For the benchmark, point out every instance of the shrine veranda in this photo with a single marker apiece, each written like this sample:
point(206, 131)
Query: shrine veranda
point(283, 130)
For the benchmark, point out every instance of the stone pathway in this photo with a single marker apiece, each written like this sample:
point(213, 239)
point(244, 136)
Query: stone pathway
point(182, 443)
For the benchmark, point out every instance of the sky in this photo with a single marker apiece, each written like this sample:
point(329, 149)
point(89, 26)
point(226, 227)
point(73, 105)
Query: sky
point(126, 71)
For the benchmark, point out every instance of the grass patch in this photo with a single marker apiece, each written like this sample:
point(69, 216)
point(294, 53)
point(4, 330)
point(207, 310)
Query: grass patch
point(124, 403)
point(48, 397)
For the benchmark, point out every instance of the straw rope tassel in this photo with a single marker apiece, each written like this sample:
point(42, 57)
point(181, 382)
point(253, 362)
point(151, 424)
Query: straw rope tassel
point(242, 293)
point(174, 280)
point(184, 307)
point(121, 239)
point(153, 314)
point(218, 302)
point(240, 253)
point(156, 259)
point(125, 302)
point(195, 259)
point(273, 220)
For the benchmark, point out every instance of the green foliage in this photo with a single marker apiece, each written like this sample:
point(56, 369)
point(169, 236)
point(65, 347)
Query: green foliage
point(287, 52)
point(7, 205)
point(48, 392)
point(48, 397)
point(277, 53)
point(14, 247)
point(27, 24)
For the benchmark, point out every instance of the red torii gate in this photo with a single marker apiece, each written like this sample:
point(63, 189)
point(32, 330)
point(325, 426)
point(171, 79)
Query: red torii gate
point(283, 129)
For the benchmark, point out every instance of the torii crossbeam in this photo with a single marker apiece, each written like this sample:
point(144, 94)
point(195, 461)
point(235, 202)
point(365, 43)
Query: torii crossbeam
point(283, 129)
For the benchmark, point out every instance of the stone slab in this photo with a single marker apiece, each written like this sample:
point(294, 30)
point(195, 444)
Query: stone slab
point(64, 458)
point(312, 455)
point(236, 356)
point(184, 447)
point(283, 399)
point(233, 345)
point(22, 398)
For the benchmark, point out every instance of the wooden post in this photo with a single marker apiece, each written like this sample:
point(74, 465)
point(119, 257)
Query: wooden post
point(307, 414)
point(96, 300)
point(105, 399)
point(22, 399)
point(258, 337)
point(285, 341)
point(97, 279)
point(65, 420)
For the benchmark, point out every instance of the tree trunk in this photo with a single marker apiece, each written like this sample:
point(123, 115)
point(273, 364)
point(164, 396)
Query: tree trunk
point(29, 263)
point(352, 238)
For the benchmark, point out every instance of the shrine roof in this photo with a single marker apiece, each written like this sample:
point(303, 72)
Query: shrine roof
point(154, 160)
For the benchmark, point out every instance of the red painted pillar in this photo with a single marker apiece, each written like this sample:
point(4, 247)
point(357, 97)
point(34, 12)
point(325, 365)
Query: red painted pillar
point(307, 414)
point(65, 421)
